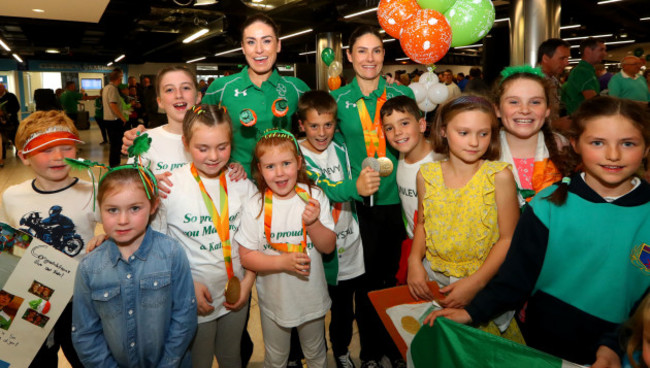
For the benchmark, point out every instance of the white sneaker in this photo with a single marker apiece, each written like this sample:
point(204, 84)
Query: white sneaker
point(344, 361)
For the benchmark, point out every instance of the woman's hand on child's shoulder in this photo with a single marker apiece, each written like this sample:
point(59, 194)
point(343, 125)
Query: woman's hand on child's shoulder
point(236, 171)
point(129, 137)
point(454, 314)
point(296, 263)
point(203, 299)
point(164, 184)
point(95, 242)
point(312, 212)
point(460, 293)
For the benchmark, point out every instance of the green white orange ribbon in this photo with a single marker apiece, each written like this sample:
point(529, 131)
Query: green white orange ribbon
point(220, 218)
point(373, 134)
point(268, 212)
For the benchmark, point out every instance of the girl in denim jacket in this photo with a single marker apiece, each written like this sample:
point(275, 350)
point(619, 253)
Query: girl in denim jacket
point(129, 311)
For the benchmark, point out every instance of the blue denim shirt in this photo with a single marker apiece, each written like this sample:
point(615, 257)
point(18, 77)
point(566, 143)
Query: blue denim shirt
point(135, 313)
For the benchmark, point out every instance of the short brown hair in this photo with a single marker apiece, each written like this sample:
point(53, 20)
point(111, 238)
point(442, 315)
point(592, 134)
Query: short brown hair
point(461, 104)
point(40, 121)
point(116, 74)
point(320, 101)
point(208, 115)
point(402, 104)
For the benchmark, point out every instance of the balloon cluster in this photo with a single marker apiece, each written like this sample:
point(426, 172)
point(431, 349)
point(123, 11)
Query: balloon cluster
point(428, 28)
point(428, 92)
point(334, 68)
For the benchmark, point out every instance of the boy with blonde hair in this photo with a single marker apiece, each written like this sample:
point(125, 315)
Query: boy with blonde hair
point(54, 207)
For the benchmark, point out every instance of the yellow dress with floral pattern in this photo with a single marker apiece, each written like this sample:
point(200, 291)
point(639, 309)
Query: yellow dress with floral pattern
point(461, 226)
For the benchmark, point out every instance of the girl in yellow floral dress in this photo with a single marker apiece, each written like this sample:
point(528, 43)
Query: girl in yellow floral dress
point(469, 210)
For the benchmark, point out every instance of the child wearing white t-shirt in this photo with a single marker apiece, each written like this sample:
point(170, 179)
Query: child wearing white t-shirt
point(203, 213)
point(328, 166)
point(404, 127)
point(54, 207)
point(282, 233)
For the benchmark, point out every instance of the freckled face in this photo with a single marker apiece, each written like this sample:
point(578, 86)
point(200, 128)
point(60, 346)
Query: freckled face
point(279, 167)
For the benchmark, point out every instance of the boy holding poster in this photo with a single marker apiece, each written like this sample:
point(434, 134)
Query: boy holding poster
point(54, 207)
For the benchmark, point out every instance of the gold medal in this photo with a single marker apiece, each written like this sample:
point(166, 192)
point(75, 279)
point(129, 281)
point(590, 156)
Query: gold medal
point(385, 166)
point(232, 290)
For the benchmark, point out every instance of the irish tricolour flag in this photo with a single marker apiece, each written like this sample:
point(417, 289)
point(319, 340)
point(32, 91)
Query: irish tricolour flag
point(451, 345)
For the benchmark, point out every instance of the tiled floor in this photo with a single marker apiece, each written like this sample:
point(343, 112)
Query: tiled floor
point(15, 172)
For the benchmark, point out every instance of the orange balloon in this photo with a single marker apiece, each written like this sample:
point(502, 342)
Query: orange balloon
point(334, 83)
point(392, 14)
point(426, 37)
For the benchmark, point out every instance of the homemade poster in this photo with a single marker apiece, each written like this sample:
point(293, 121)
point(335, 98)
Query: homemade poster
point(401, 314)
point(36, 284)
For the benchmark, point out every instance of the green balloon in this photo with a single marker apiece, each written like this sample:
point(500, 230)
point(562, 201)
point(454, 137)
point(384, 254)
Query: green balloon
point(437, 5)
point(470, 21)
point(638, 52)
point(327, 55)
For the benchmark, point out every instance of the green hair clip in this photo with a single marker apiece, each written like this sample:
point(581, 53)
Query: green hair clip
point(141, 145)
point(519, 69)
point(280, 133)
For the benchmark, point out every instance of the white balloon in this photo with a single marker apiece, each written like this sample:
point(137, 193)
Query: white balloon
point(419, 90)
point(429, 79)
point(438, 93)
point(426, 105)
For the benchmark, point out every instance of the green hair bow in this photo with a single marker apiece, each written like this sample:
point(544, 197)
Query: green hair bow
point(141, 145)
point(519, 69)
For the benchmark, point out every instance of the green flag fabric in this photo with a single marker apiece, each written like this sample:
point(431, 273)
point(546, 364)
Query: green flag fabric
point(452, 345)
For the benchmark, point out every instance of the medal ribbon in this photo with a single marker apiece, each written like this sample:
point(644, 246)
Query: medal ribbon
point(336, 211)
point(268, 211)
point(220, 219)
point(373, 134)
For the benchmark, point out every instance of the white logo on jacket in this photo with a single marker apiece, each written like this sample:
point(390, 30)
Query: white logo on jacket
point(237, 93)
point(281, 89)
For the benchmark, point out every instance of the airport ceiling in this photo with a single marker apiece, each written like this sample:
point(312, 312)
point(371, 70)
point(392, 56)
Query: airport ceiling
point(99, 31)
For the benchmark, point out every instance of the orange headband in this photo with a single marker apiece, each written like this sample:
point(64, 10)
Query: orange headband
point(41, 141)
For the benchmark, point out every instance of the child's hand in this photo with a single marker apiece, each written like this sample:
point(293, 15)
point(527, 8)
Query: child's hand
point(236, 171)
point(203, 299)
point(244, 292)
point(457, 315)
point(417, 281)
point(460, 293)
point(311, 212)
point(296, 263)
point(129, 137)
point(95, 242)
point(164, 184)
point(606, 358)
point(368, 182)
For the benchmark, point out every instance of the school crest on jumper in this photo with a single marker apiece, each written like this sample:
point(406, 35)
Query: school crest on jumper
point(640, 257)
